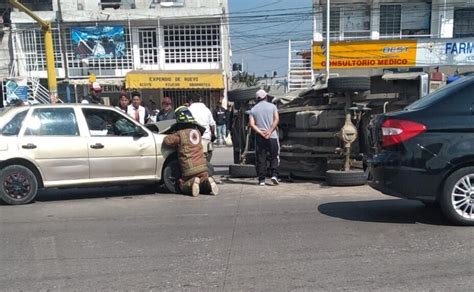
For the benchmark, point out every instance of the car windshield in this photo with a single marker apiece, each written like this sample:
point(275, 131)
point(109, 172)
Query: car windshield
point(12, 128)
point(447, 90)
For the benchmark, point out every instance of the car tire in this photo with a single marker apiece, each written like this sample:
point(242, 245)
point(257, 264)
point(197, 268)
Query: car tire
point(242, 95)
point(349, 84)
point(242, 171)
point(171, 175)
point(338, 178)
point(447, 198)
point(18, 185)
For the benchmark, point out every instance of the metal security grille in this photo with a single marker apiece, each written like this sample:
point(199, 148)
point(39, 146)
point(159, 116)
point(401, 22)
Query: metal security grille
point(32, 43)
point(464, 22)
point(209, 97)
point(390, 20)
point(148, 45)
point(192, 43)
point(105, 67)
point(348, 22)
point(335, 22)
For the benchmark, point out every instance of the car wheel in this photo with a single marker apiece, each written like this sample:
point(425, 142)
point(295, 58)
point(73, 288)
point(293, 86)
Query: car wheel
point(354, 177)
point(171, 175)
point(242, 170)
point(457, 200)
point(18, 185)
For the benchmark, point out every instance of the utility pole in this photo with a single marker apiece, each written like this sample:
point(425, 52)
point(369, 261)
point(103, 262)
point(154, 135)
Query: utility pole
point(328, 38)
point(49, 49)
point(64, 53)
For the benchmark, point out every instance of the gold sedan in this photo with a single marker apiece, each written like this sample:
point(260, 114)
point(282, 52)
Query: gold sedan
point(64, 145)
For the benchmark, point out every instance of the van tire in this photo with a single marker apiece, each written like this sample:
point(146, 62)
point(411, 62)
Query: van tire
point(242, 171)
point(338, 178)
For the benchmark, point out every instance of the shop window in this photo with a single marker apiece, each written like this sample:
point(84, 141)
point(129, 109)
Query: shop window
point(32, 42)
point(192, 43)
point(390, 20)
point(335, 21)
point(463, 22)
point(148, 45)
point(411, 19)
point(349, 22)
point(38, 5)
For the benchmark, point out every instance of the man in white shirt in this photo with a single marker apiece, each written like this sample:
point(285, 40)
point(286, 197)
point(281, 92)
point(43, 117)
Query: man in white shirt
point(136, 110)
point(203, 116)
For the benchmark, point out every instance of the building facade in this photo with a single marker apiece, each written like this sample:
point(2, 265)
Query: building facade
point(372, 36)
point(128, 43)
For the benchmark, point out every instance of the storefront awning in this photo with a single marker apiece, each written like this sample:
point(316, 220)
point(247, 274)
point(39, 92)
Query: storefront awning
point(102, 81)
point(174, 80)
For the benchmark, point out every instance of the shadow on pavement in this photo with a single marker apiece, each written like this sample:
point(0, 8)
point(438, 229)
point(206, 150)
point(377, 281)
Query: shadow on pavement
point(385, 211)
point(127, 192)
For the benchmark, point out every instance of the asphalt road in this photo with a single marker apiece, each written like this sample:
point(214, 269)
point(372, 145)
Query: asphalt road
point(297, 236)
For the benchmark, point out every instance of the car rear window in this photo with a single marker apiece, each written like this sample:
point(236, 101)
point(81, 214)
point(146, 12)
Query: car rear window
point(438, 95)
point(12, 128)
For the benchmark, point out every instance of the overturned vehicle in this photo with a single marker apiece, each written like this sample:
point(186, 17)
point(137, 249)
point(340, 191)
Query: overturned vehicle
point(323, 131)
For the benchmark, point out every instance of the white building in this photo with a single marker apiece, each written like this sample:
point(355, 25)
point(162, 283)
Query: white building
point(384, 22)
point(161, 48)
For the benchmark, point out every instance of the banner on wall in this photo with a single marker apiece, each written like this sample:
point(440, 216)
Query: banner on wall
point(367, 54)
point(17, 89)
point(98, 42)
point(396, 54)
point(434, 52)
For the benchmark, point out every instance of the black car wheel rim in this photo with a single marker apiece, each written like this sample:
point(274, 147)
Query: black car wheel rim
point(16, 186)
point(462, 197)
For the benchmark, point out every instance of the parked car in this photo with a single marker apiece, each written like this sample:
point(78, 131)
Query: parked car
point(58, 146)
point(426, 151)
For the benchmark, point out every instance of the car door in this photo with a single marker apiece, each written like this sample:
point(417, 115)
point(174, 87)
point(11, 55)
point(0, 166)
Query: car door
point(51, 138)
point(116, 150)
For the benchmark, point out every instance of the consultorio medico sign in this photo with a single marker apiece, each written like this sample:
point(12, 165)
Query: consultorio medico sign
point(395, 53)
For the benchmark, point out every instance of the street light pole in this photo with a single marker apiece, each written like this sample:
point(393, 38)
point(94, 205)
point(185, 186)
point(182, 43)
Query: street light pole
point(328, 38)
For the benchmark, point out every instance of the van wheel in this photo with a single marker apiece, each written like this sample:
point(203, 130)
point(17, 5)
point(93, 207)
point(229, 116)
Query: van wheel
point(457, 199)
point(242, 171)
point(338, 178)
point(18, 185)
point(171, 175)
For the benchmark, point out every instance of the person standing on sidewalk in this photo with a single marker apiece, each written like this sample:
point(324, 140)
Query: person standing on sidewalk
point(186, 137)
point(203, 116)
point(264, 120)
point(167, 112)
point(123, 103)
point(138, 112)
point(221, 116)
point(94, 94)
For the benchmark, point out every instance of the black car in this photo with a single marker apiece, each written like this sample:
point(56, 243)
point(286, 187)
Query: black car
point(426, 151)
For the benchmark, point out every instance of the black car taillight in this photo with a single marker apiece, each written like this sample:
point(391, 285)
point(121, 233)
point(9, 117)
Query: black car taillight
point(396, 131)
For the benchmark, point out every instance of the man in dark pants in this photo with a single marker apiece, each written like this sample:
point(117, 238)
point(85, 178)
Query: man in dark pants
point(264, 120)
